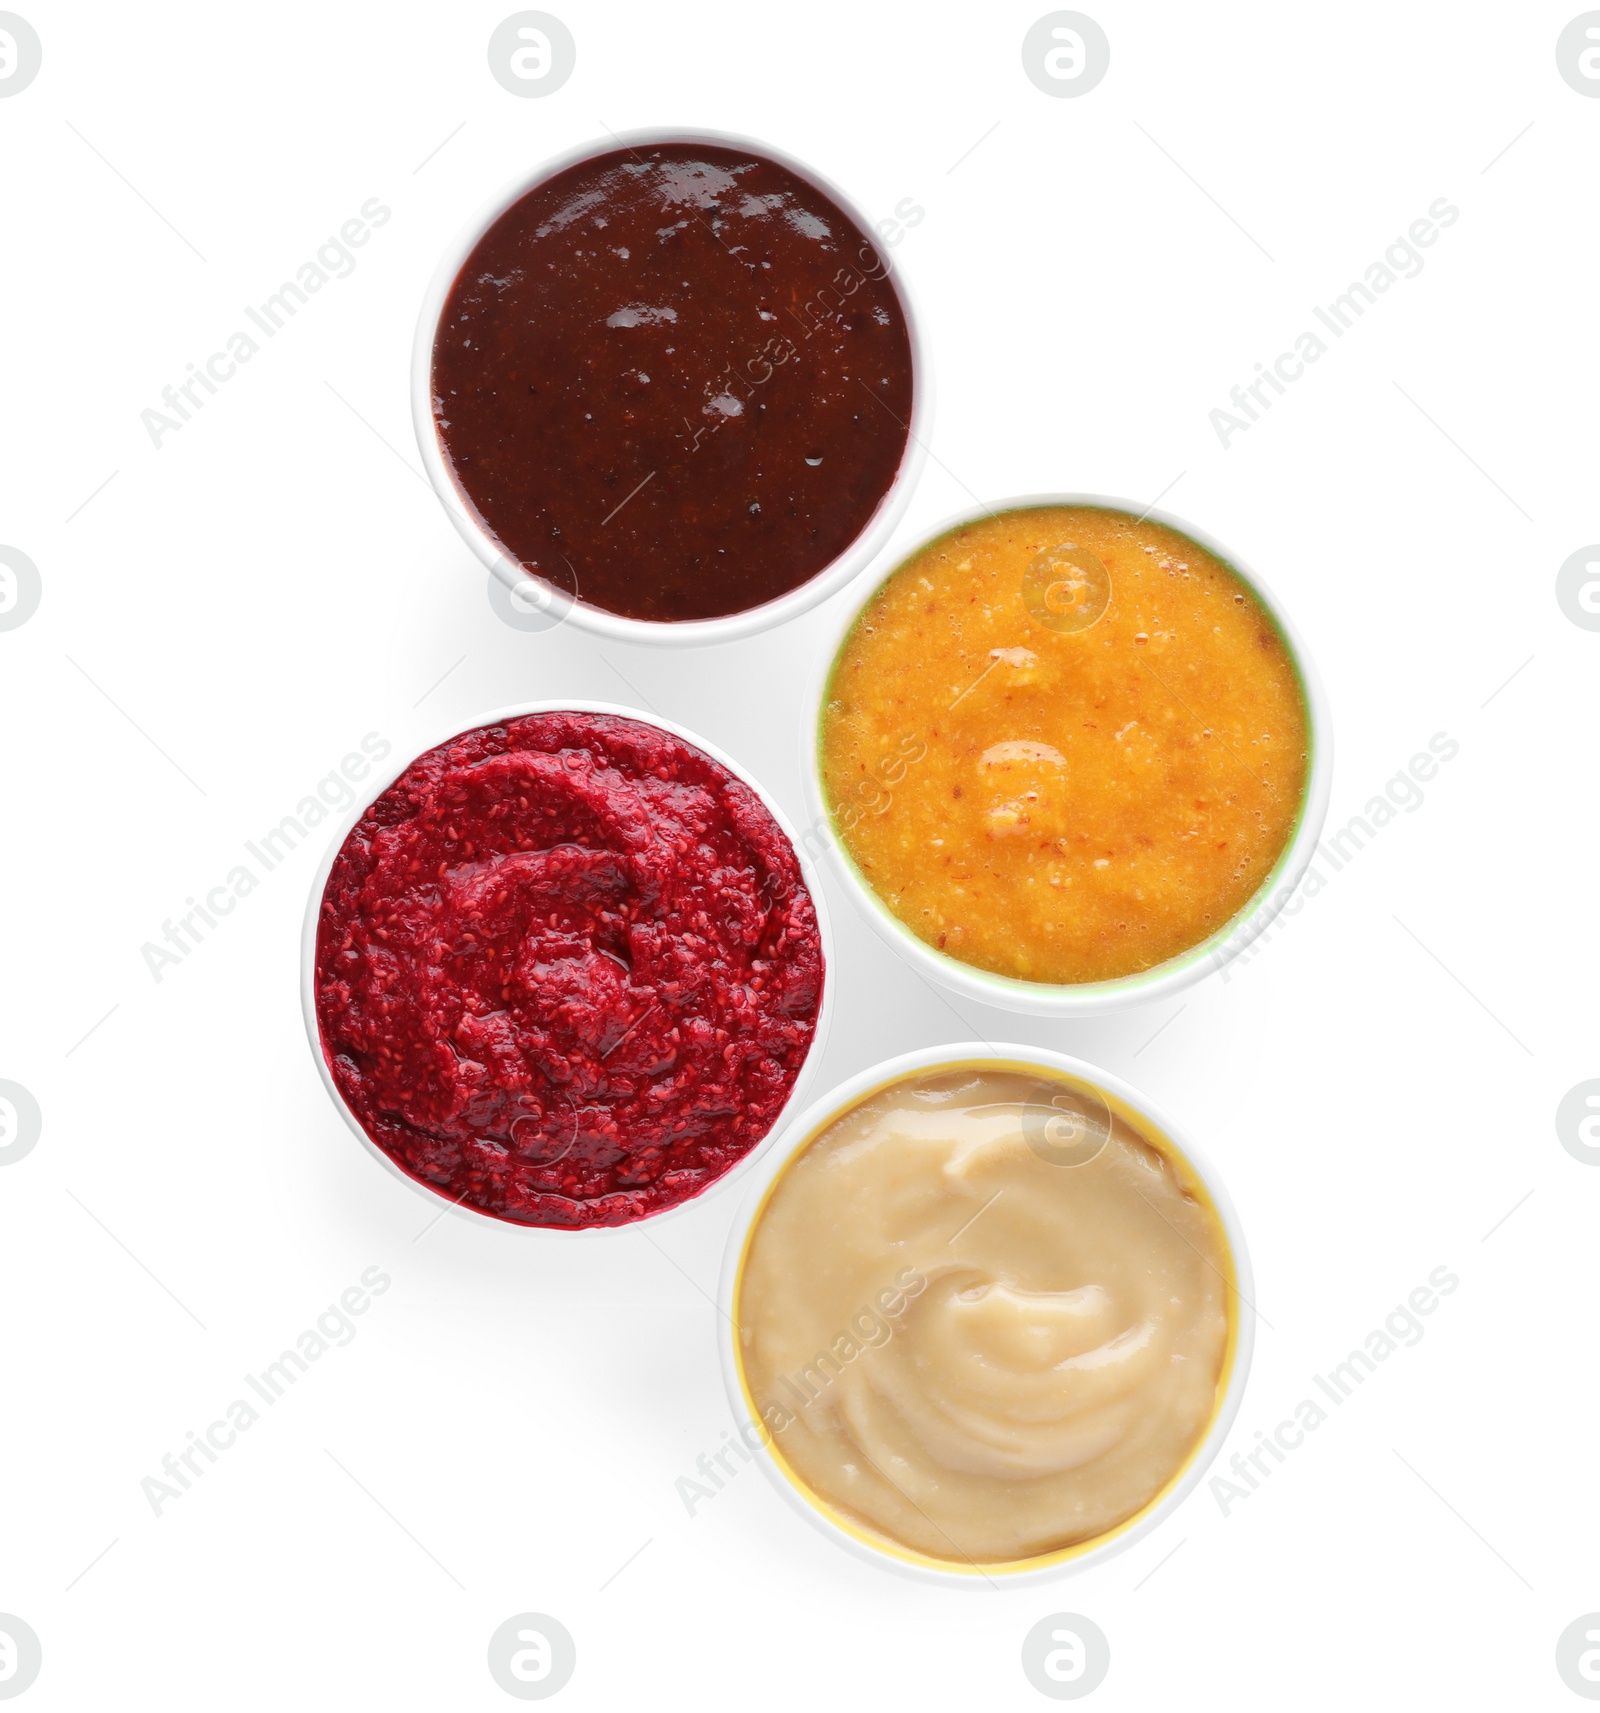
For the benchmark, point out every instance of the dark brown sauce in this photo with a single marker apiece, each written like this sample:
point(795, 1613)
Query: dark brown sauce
point(674, 381)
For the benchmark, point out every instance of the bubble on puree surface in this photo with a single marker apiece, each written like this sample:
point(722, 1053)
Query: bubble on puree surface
point(972, 1340)
point(1065, 745)
point(567, 970)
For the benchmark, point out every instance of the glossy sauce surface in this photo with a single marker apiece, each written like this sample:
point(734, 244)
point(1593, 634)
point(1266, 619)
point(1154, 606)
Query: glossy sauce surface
point(1065, 745)
point(674, 381)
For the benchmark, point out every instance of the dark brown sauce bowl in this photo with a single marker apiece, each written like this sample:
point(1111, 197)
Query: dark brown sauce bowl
point(558, 604)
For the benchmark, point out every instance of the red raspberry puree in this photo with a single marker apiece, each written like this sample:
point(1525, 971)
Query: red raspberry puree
point(567, 970)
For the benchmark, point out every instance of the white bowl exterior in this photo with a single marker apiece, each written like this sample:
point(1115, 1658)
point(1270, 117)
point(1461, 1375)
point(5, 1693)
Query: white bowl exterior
point(308, 970)
point(800, 1130)
point(596, 620)
point(1042, 999)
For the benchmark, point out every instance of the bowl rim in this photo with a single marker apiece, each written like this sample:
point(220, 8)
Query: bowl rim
point(1160, 982)
point(308, 965)
point(874, 535)
point(1151, 1121)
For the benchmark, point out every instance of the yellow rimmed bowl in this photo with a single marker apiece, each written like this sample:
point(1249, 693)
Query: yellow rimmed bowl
point(1198, 1176)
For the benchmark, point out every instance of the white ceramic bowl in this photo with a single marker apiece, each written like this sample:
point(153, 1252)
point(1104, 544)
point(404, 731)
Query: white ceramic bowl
point(555, 603)
point(308, 967)
point(1049, 999)
point(1152, 1123)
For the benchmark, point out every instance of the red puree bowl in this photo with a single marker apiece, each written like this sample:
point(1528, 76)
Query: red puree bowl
point(554, 603)
point(308, 962)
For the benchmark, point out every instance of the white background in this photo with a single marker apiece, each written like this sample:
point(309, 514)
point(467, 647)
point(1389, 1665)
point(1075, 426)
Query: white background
point(276, 581)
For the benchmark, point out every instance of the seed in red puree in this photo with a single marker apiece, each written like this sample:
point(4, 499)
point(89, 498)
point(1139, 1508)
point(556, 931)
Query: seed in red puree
point(674, 380)
point(567, 970)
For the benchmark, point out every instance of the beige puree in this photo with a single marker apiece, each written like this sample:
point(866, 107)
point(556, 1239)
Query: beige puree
point(967, 1344)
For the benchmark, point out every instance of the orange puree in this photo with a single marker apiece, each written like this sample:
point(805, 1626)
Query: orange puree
point(1063, 744)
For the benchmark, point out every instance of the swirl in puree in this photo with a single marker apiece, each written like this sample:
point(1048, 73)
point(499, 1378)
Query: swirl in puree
point(967, 1342)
